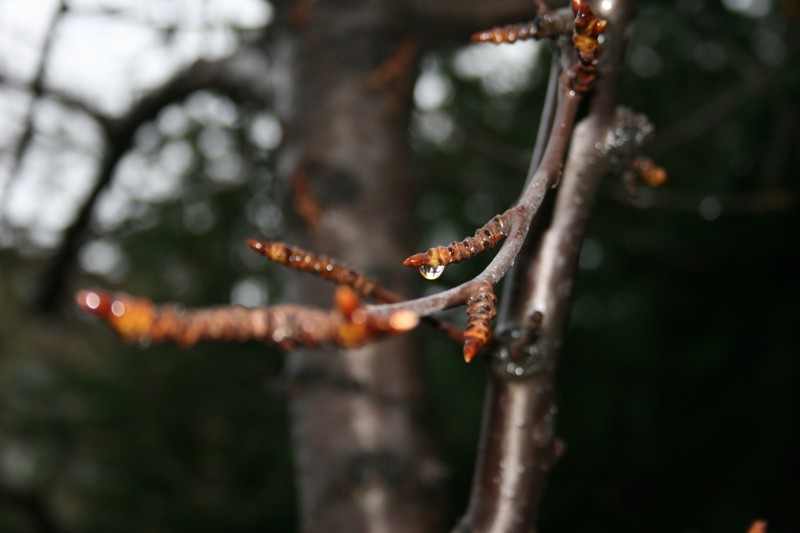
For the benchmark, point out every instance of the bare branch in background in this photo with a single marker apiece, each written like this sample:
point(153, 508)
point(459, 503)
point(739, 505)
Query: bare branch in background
point(243, 77)
point(37, 90)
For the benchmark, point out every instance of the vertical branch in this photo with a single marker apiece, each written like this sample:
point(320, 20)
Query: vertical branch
point(517, 443)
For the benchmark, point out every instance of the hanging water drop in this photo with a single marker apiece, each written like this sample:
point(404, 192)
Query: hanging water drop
point(431, 272)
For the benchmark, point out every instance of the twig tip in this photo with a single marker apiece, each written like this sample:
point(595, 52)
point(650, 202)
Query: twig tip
point(257, 245)
point(471, 349)
point(416, 260)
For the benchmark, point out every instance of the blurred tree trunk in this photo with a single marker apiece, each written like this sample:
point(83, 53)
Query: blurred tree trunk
point(363, 455)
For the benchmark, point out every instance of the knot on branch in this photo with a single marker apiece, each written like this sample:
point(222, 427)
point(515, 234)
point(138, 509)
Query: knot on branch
point(535, 360)
point(520, 353)
point(629, 131)
point(481, 310)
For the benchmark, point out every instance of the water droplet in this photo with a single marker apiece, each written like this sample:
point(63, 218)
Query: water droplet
point(431, 272)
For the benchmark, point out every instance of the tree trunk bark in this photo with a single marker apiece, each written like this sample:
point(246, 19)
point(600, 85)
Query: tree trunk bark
point(364, 457)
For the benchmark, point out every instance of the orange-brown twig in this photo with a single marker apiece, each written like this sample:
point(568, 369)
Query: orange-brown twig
point(288, 326)
point(650, 173)
point(546, 24)
point(299, 259)
point(481, 310)
point(588, 27)
point(431, 263)
point(510, 33)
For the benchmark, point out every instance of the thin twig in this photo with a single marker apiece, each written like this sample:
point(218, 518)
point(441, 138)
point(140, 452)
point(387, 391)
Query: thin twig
point(298, 259)
point(288, 326)
point(546, 24)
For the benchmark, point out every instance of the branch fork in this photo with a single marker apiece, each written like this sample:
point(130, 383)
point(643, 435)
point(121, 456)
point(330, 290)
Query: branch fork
point(350, 324)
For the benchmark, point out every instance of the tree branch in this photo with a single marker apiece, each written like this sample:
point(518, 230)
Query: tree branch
point(519, 216)
point(328, 269)
point(138, 320)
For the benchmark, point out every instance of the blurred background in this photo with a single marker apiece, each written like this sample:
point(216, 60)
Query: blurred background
point(679, 387)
